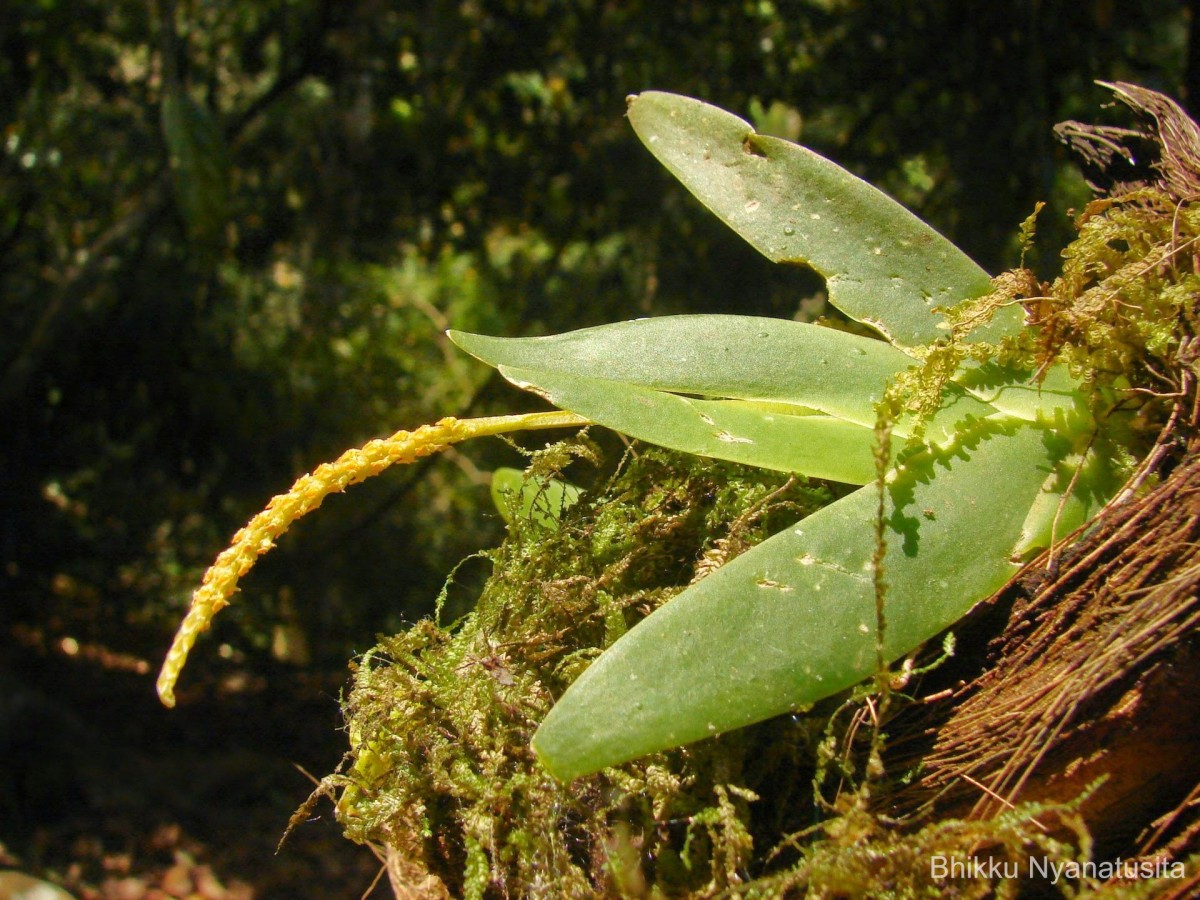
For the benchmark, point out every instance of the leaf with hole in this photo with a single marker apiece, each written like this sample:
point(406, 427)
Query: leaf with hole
point(883, 265)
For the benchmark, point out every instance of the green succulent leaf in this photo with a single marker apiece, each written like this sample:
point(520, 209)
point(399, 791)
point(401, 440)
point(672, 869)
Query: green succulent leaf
point(734, 357)
point(793, 620)
point(884, 266)
point(1014, 391)
point(541, 500)
point(817, 445)
point(773, 393)
point(1081, 483)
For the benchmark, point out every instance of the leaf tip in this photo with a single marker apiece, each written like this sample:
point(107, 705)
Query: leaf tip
point(551, 761)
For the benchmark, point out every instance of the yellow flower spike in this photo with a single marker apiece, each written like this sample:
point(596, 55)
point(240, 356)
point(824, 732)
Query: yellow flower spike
point(353, 466)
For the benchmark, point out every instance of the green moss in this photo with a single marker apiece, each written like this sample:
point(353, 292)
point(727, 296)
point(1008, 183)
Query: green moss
point(859, 854)
point(440, 717)
point(1122, 313)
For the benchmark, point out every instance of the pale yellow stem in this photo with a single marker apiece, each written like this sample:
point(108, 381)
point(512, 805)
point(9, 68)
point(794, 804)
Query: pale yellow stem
point(353, 466)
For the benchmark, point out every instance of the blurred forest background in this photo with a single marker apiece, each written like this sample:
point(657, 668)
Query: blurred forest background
point(231, 236)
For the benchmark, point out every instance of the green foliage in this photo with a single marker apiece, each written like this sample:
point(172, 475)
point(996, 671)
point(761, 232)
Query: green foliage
point(882, 265)
point(784, 395)
point(805, 601)
point(978, 489)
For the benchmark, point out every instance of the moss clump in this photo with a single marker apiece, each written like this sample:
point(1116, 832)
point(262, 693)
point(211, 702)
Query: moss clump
point(440, 718)
point(1122, 313)
point(858, 854)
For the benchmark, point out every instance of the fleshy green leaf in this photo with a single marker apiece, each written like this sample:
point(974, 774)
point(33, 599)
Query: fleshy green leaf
point(735, 357)
point(1013, 391)
point(785, 395)
point(884, 266)
point(793, 620)
point(1074, 492)
point(542, 500)
point(816, 445)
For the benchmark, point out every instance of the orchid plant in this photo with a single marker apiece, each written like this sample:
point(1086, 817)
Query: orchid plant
point(970, 456)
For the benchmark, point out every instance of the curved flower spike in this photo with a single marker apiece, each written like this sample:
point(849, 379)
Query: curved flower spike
point(309, 491)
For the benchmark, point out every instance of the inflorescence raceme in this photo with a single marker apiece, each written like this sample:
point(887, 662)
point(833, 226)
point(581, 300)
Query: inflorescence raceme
point(309, 491)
